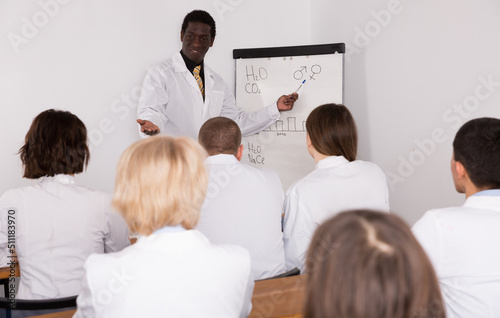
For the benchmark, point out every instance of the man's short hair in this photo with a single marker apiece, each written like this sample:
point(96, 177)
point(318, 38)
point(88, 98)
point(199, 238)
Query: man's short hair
point(220, 135)
point(477, 148)
point(160, 181)
point(56, 143)
point(199, 16)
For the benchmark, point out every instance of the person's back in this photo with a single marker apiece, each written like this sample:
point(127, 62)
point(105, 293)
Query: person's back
point(58, 225)
point(336, 185)
point(185, 275)
point(339, 181)
point(55, 225)
point(243, 207)
point(462, 242)
point(172, 270)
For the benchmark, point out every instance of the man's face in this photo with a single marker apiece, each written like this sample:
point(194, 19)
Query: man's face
point(196, 41)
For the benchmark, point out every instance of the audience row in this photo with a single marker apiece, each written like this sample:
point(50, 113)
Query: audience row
point(209, 226)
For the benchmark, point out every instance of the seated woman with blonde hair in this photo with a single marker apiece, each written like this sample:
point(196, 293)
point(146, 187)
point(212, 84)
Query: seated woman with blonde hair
point(339, 182)
point(172, 270)
point(55, 224)
point(368, 264)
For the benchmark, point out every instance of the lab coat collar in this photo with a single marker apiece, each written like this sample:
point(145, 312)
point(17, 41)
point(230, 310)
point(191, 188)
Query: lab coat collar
point(60, 178)
point(483, 202)
point(182, 240)
point(209, 79)
point(170, 229)
point(332, 161)
point(179, 64)
point(221, 159)
point(488, 193)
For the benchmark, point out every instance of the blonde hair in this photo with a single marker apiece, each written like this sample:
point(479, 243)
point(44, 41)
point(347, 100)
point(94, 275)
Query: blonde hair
point(160, 181)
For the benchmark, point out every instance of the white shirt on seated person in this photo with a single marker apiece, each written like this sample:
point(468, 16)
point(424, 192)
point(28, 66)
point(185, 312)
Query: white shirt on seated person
point(171, 273)
point(463, 245)
point(334, 186)
point(56, 224)
point(243, 206)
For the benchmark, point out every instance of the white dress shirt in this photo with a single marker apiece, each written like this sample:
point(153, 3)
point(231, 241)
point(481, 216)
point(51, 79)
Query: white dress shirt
point(463, 244)
point(57, 225)
point(334, 186)
point(171, 99)
point(168, 274)
point(243, 206)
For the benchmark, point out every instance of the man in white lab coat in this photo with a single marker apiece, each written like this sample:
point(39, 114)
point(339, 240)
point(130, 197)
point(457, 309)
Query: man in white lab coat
point(463, 242)
point(181, 93)
point(243, 204)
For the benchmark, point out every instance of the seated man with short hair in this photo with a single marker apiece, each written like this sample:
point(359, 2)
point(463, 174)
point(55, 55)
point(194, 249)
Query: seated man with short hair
point(463, 242)
point(243, 205)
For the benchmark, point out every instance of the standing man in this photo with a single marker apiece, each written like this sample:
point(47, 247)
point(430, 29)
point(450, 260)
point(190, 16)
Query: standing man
point(463, 243)
point(243, 204)
point(181, 93)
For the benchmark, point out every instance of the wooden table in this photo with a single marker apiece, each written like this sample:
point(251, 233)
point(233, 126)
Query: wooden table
point(281, 297)
point(61, 314)
point(5, 272)
point(274, 298)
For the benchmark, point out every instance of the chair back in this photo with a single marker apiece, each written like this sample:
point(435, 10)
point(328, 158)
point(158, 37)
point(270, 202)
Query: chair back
point(11, 307)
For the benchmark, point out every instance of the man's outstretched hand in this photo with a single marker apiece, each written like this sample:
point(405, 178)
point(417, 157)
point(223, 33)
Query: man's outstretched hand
point(286, 102)
point(148, 127)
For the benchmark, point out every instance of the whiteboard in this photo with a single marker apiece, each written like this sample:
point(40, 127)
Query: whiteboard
point(262, 75)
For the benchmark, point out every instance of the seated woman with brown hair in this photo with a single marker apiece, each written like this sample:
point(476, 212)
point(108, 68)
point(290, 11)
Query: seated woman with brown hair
point(55, 224)
point(339, 182)
point(367, 264)
point(172, 270)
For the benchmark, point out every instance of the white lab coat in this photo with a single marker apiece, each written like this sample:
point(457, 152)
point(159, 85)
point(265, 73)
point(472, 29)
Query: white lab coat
point(334, 186)
point(57, 225)
point(171, 99)
point(463, 245)
point(243, 206)
point(177, 274)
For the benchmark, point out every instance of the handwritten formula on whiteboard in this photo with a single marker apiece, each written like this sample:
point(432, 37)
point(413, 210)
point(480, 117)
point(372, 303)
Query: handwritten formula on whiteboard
point(261, 81)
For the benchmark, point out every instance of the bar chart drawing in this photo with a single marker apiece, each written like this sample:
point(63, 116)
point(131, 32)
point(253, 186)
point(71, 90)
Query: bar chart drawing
point(288, 125)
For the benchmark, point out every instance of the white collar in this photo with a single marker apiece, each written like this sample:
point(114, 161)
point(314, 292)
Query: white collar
point(332, 161)
point(221, 159)
point(60, 178)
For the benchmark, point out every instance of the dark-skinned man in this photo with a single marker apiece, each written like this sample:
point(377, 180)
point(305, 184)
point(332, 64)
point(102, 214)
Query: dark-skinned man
point(181, 93)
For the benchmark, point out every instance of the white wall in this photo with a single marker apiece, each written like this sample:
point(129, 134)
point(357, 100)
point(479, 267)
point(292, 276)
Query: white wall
point(90, 57)
point(405, 71)
point(402, 80)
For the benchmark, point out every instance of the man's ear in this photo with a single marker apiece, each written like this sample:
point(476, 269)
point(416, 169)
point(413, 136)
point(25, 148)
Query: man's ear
point(239, 154)
point(212, 43)
point(460, 170)
point(182, 35)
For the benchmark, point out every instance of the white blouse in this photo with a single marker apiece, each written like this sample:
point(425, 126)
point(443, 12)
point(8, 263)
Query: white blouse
point(169, 274)
point(334, 186)
point(55, 225)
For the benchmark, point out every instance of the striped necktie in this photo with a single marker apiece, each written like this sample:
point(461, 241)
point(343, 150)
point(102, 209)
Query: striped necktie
point(197, 77)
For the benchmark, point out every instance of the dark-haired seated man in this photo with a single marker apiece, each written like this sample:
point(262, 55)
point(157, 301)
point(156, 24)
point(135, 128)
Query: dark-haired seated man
point(56, 224)
point(181, 93)
point(463, 242)
point(243, 204)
